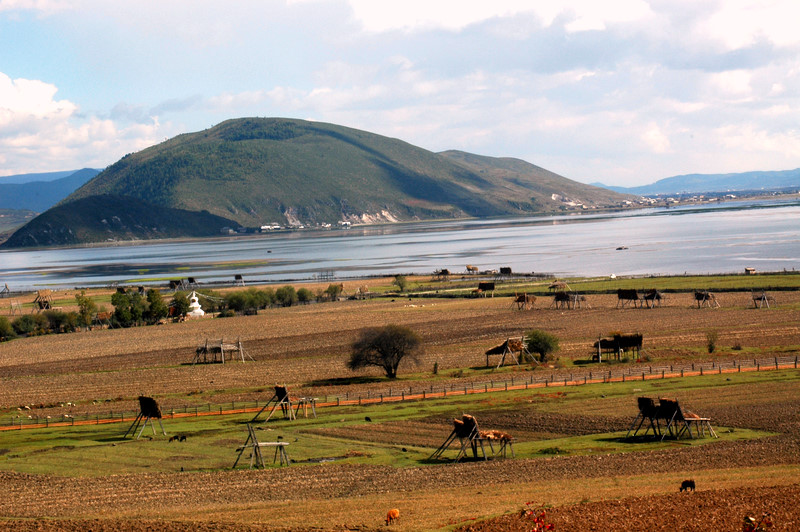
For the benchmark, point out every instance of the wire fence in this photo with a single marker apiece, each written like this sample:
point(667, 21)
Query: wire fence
point(555, 378)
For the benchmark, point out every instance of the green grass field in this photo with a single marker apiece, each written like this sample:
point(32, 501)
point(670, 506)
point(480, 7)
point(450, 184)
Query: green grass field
point(100, 450)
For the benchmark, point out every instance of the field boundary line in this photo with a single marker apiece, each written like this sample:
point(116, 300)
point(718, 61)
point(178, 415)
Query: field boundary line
point(585, 378)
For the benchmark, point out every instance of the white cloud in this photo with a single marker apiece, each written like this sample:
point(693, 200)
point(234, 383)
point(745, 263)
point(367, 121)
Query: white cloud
point(24, 97)
point(35, 5)
point(454, 15)
point(41, 133)
point(739, 23)
point(655, 138)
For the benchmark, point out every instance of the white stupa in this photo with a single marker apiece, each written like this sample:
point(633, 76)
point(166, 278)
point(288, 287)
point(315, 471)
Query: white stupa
point(194, 307)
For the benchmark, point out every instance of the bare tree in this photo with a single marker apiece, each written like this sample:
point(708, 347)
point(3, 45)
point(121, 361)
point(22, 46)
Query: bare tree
point(385, 347)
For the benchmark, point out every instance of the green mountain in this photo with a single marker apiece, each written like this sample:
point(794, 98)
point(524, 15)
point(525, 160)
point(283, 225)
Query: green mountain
point(257, 171)
point(106, 218)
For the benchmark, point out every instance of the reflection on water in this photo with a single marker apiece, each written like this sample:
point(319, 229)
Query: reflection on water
point(717, 239)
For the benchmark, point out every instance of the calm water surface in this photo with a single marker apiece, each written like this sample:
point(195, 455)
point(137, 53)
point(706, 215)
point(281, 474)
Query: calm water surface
point(719, 239)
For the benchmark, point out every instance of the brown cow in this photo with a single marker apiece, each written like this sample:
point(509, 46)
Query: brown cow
point(524, 301)
point(392, 515)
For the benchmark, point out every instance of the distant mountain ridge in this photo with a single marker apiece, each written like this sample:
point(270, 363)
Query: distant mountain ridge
point(113, 218)
point(257, 171)
point(38, 195)
point(715, 183)
point(18, 179)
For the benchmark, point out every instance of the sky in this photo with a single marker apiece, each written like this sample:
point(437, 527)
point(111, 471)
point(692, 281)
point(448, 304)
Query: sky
point(623, 92)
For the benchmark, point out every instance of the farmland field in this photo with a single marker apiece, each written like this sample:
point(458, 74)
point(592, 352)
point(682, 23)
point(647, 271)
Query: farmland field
point(352, 463)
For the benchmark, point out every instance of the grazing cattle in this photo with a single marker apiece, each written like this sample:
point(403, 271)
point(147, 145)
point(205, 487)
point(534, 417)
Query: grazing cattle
point(687, 485)
point(392, 516)
point(626, 296)
point(524, 301)
point(653, 298)
point(705, 298)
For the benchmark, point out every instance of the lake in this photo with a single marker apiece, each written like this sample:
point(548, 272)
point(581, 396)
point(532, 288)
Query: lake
point(720, 238)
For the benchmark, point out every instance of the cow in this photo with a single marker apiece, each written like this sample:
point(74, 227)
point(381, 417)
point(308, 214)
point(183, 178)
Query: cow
point(392, 516)
point(625, 296)
point(524, 301)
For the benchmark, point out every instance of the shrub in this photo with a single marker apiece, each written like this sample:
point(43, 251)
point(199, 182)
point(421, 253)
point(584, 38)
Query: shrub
point(6, 330)
point(30, 324)
point(60, 322)
point(711, 341)
point(542, 343)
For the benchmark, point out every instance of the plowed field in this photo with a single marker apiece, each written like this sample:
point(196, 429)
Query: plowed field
point(308, 345)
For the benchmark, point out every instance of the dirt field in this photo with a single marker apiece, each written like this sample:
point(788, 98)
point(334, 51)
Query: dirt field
point(300, 346)
point(304, 344)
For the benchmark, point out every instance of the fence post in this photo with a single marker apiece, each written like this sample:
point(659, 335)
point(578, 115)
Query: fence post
point(701, 371)
point(681, 372)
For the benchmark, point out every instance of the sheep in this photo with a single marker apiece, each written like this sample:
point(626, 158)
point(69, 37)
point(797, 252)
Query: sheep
point(687, 485)
point(392, 516)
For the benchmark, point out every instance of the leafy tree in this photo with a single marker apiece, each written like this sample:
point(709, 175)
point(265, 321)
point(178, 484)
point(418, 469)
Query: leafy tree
point(385, 347)
point(180, 302)
point(286, 296)
point(260, 298)
point(86, 309)
point(129, 307)
point(401, 282)
point(541, 342)
point(333, 291)
point(236, 301)
point(6, 330)
point(156, 308)
point(304, 295)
